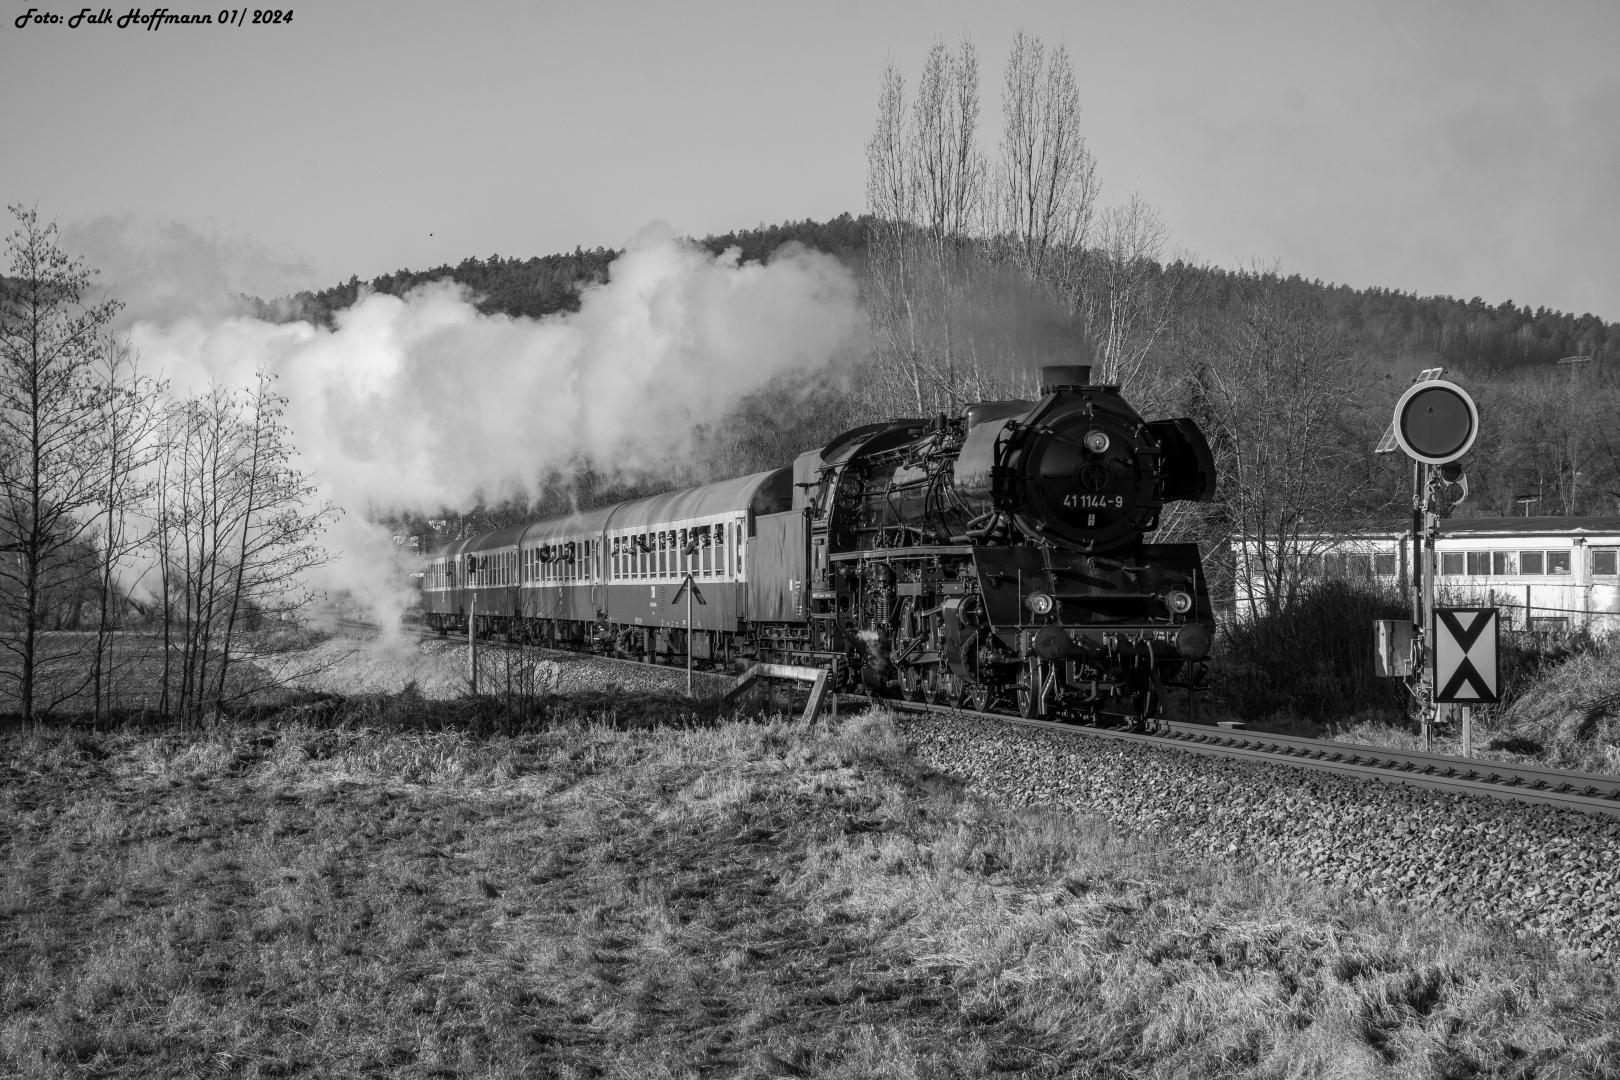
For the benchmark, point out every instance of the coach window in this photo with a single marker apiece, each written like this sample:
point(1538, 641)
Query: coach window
point(1530, 562)
point(1504, 562)
point(1384, 564)
point(663, 552)
point(1479, 563)
point(705, 549)
point(1557, 562)
point(1604, 562)
point(1451, 563)
point(739, 547)
point(719, 549)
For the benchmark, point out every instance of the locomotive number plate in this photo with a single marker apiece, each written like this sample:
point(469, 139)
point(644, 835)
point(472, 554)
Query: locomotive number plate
point(1094, 502)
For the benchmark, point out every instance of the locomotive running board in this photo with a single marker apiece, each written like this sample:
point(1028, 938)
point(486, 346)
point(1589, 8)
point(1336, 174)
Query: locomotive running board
point(817, 677)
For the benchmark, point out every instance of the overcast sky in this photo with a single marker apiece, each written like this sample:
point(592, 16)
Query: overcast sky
point(1466, 148)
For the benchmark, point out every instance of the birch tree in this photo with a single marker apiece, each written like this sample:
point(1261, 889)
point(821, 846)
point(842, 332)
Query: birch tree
point(237, 531)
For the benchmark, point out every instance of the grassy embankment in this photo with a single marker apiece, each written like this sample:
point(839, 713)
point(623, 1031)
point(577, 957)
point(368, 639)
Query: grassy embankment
point(714, 899)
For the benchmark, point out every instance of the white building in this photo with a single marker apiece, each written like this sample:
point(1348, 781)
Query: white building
point(1560, 572)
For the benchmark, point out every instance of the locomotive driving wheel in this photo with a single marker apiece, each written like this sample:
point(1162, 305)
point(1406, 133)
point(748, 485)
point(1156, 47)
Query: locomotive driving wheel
point(931, 684)
point(910, 684)
point(979, 697)
point(952, 690)
point(1028, 690)
point(1027, 697)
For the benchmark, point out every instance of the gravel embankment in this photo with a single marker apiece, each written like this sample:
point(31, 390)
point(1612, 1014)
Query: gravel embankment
point(1547, 870)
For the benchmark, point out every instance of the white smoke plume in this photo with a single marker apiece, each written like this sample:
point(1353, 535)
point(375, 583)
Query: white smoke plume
point(422, 402)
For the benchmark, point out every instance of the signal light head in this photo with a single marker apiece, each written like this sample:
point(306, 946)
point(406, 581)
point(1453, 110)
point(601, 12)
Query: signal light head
point(1041, 603)
point(1096, 442)
point(1179, 602)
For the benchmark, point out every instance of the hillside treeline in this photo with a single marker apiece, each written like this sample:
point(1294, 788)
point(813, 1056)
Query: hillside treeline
point(977, 265)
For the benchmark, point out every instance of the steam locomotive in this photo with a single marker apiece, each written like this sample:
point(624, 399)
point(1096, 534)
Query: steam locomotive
point(994, 559)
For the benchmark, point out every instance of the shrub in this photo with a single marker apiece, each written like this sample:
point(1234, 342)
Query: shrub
point(1313, 660)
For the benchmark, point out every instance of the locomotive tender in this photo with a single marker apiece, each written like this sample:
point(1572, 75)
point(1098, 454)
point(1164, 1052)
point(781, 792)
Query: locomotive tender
point(992, 559)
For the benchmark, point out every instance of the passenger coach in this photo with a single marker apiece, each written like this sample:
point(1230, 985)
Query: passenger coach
point(609, 577)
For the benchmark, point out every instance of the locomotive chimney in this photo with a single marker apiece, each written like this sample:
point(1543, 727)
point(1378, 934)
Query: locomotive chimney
point(1056, 377)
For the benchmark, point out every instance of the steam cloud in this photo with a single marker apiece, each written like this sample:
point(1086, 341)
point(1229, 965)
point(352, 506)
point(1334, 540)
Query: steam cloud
point(422, 402)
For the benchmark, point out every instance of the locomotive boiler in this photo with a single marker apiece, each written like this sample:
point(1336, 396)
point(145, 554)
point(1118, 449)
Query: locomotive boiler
point(993, 559)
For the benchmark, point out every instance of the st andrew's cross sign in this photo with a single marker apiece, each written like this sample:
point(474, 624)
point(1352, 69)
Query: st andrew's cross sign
point(1465, 652)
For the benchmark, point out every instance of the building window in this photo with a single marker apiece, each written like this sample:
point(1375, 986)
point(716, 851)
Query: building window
point(1530, 562)
point(1358, 565)
point(1479, 563)
point(1504, 562)
point(1384, 565)
point(1451, 563)
point(1604, 562)
point(1557, 562)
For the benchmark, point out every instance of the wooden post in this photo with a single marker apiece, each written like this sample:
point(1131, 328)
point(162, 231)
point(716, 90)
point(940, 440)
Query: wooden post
point(1468, 731)
point(472, 643)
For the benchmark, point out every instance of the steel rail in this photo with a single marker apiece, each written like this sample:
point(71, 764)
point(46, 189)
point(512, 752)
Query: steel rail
point(1483, 770)
point(1436, 772)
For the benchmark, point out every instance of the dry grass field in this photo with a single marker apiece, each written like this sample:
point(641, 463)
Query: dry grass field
point(731, 900)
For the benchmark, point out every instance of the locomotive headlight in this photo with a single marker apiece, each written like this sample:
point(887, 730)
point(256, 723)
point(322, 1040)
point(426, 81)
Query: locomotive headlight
point(1178, 601)
point(1040, 603)
point(1096, 442)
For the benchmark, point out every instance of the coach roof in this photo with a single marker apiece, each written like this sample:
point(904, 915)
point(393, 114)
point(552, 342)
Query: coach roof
point(761, 493)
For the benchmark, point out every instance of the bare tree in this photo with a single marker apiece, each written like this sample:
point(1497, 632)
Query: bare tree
point(236, 530)
point(890, 199)
point(277, 521)
point(1275, 385)
point(51, 452)
point(1129, 299)
point(947, 172)
point(129, 418)
point(1047, 178)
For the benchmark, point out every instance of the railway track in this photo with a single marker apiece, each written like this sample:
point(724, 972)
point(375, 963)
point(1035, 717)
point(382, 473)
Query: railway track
point(1587, 792)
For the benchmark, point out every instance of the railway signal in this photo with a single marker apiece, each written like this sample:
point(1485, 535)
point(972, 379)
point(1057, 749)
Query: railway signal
point(1435, 424)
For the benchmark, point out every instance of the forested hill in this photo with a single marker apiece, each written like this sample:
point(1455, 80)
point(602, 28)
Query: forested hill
point(1466, 334)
